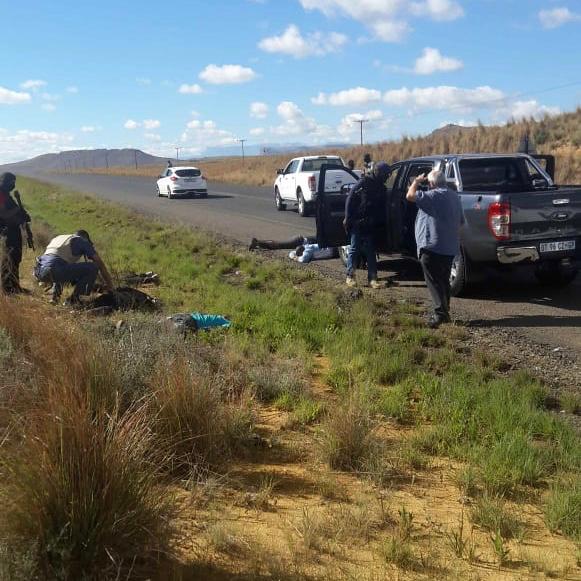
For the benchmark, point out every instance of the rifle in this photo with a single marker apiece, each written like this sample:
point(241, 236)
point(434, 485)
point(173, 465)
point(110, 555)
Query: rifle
point(29, 237)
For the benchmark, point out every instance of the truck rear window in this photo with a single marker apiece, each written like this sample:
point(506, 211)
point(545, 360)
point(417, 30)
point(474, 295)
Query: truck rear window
point(188, 173)
point(501, 174)
point(315, 164)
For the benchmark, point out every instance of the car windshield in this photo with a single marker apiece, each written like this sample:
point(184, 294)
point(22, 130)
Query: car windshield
point(188, 173)
point(501, 174)
point(315, 164)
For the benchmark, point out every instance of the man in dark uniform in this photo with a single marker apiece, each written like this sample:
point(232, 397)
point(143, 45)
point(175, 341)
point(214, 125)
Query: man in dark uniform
point(11, 220)
point(364, 215)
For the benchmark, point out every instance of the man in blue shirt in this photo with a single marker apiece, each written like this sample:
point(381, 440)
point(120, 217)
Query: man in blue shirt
point(437, 237)
point(60, 264)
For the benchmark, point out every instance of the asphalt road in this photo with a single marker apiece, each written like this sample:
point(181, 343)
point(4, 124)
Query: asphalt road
point(547, 316)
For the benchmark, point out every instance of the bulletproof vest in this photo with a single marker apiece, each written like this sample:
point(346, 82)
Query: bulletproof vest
point(61, 247)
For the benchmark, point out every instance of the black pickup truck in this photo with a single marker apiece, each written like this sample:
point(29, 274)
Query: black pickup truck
point(515, 216)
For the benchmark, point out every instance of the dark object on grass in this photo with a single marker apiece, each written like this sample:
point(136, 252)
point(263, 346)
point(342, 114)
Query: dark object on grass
point(136, 278)
point(124, 299)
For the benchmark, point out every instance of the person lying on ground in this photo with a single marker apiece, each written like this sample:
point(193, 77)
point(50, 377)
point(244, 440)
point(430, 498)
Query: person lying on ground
point(438, 238)
point(60, 264)
point(295, 242)
point(12, 217)
point(308, 252)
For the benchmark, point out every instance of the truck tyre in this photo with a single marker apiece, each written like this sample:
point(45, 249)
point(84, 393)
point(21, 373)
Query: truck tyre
point(158, 192)
point(555, 275)
point(302, 205)
point(280, 205)
point(459, 275)
point(169, 194)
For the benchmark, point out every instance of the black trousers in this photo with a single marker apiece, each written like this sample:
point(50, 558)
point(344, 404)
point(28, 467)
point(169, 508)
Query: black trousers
point(437, 269)
point(284, 244)
point(11, 257)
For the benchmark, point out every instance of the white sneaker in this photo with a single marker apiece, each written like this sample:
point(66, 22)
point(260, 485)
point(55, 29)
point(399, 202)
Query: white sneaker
point(375, 284)
point(350, 281)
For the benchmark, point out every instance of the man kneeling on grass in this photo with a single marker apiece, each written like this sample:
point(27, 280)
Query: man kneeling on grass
point(438, 238)
point(60, 264)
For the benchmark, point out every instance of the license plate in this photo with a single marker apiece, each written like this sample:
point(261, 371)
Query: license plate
point(558, 246)
point(191, 180)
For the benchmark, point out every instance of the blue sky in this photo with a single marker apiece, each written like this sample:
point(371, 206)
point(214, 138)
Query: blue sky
point(200, 74)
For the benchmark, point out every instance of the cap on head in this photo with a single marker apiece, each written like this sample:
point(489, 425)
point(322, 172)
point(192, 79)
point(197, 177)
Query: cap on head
point(84, 234)
point(7, 181)
point(381, 170)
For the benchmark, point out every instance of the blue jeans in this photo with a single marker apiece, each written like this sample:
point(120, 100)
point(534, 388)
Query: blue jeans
point(362, 243)
point(82, 275)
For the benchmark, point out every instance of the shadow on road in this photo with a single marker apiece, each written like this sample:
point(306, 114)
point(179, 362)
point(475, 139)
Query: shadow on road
point(529, 321)
point(208, 197)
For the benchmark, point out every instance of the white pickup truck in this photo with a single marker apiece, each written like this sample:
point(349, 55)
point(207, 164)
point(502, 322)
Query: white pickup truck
point(297, 183)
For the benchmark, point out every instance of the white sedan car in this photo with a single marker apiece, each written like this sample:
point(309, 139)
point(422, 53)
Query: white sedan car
point(182, 181)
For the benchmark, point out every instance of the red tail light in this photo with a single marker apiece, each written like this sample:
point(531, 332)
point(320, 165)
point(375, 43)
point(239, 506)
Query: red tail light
point(499, 220)
point(312, 183)
point(173, 179)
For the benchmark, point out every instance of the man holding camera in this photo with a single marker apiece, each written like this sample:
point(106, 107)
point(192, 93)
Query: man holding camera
point(437, 237)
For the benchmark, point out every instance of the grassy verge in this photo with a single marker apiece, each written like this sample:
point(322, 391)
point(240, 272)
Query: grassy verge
point(191, 404)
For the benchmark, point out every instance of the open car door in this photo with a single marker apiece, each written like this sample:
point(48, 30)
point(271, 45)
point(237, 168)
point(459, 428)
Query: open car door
point(335, 182)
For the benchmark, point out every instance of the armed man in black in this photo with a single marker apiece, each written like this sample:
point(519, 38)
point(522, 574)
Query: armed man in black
point(12, 217)
point(365, 215)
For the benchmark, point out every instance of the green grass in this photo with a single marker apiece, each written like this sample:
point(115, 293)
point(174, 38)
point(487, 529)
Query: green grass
point(497, 425)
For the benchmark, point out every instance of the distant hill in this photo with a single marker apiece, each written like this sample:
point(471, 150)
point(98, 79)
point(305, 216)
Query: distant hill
point(81, 159)
point(450, 129)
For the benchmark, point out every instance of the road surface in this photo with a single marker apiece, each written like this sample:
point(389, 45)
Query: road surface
point(547, 316)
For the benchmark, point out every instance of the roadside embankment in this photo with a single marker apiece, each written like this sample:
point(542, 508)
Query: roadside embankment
point(326, 435)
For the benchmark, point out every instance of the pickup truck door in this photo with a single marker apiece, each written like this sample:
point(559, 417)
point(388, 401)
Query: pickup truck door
point(288, 179)
point(330, 205)
point(406, 220)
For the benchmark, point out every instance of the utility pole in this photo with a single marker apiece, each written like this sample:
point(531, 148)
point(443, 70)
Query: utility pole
point(135, 157)
point(361, 122)
point(242, 143)
point(107, 159)
point(178, 152)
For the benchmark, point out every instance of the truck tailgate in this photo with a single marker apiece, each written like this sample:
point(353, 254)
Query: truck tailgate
point(552, 214)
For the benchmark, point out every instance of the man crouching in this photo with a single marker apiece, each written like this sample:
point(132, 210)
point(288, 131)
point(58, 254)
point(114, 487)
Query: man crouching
point(437, 237)
point(60, 264)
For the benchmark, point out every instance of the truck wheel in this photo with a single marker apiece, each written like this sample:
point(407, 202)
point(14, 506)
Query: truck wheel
point(158, 192)
point(280, 206)
point(303, 206)
point(555, 275)
point(169, 194)
point(459, 275)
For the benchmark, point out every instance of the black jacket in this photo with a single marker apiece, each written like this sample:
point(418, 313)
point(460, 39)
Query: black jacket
point(365, 205)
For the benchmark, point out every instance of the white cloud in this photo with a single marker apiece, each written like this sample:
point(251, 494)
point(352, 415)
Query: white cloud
point(291, 42)
point(348, 97)
point(432, 61)
point(8, 97)
point(227, 74)
point(257, 131)
point(23, 144)
point(444, 97)
point(388, 20)
point(199, 135)
point(258, 110)
point(130, 124)
point(153, 137)
point(557, 17)
point(194, 89)
point(526, 109)
point(350, 123)
point(151, 124)
point(295, 122)
point(32, 85)
point(438, 9)
point(49, 107)
point(72, 89)
point(89, 129)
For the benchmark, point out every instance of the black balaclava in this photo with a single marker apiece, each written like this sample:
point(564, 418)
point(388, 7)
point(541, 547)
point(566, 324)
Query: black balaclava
point(7, 182)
